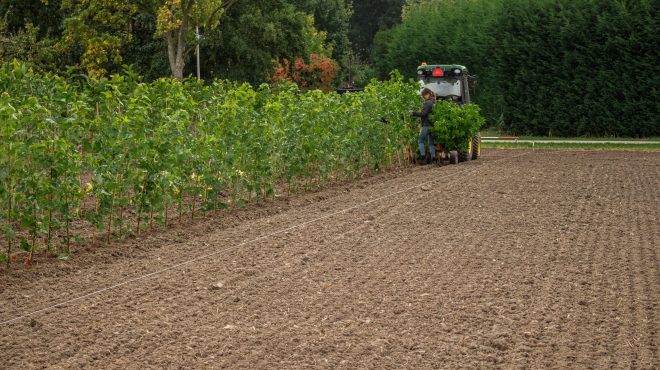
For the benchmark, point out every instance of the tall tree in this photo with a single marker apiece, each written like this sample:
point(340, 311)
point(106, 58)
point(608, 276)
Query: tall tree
point(100, 28)
point(332, 17)
point(176, 20)
point(253, 35)
point(28, 29)
point(45, 15)
point(368, 18)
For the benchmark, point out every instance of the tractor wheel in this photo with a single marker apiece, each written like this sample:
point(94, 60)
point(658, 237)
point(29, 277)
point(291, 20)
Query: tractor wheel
point(476, 146)
point(453, 157)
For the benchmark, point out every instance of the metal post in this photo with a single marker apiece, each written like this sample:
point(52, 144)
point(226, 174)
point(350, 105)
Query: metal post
point(199, 77)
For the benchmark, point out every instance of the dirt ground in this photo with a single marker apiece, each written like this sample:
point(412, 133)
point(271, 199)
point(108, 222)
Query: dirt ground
point(525, 260)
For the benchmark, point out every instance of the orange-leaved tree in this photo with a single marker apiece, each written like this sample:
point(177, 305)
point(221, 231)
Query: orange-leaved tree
point(317, 73)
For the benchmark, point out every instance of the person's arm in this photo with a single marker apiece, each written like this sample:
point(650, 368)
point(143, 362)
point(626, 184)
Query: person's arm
point(426, 110)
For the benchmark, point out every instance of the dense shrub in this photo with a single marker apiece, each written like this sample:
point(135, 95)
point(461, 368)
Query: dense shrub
point(454, 125)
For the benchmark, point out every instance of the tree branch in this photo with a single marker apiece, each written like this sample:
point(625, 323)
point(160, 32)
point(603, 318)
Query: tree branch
point(224, 6)
point(171, 50)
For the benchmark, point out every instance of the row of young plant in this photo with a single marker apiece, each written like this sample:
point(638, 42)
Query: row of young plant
point(119, 154)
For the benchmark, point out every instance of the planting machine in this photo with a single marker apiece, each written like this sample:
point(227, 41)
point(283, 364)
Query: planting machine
point(450, 82)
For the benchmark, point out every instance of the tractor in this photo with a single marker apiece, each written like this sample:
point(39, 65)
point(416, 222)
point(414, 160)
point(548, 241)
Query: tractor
point(450, 82)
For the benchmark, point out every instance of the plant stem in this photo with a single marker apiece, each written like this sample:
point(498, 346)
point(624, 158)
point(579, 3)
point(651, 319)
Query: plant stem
point(96, 215)
point(9, 225)
point(139, 218)
point(68, 235)
point(180, 206)
point(34, 233)
point(50, 223)
point(112, 209)
point(192, 214)
point(121, 220)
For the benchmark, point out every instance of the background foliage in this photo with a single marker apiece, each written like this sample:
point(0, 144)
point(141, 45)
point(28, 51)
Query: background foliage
point(546, 67)
point(559, 67)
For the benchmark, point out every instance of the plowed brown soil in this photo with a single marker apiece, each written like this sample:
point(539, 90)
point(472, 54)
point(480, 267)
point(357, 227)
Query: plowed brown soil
point(545, 259)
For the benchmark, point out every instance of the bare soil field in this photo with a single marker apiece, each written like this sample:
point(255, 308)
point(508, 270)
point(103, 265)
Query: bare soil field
point(522, 260)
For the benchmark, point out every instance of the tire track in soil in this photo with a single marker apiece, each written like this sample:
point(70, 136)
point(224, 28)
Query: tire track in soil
point(592, 252)
point(577, 252)
point(561, 266)
point(646, 282)
point(484, 286)
point(634, 273)
point(614, 253)
point(547, 300)
point(635, 276)
point(604, 261)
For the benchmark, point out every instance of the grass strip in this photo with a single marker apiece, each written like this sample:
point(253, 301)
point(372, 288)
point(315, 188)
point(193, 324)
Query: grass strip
point(564, 145)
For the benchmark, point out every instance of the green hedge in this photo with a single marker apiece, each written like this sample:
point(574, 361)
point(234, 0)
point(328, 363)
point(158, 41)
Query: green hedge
point(547, 67)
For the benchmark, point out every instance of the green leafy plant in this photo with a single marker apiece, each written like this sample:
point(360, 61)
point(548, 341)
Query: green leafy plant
point(454, 125)
point(118, 155)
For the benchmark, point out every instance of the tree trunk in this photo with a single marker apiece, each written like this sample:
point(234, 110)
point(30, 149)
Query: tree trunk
point(176, 45)
point(176, 38)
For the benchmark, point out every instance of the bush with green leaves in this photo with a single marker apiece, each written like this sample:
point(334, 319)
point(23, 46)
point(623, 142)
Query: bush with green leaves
point(454, 125)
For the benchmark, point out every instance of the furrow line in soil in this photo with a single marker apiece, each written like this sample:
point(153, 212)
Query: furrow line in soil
point(579, 249)
point(646, 207)
point(603, 244)
point(562, 263)
point(600, 293)
point(619, 269)
point(633, 272)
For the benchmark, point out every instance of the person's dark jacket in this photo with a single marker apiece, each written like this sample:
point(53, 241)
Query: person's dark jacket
point(427, 109)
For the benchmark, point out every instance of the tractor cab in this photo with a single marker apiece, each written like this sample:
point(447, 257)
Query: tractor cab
point(447, 81)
